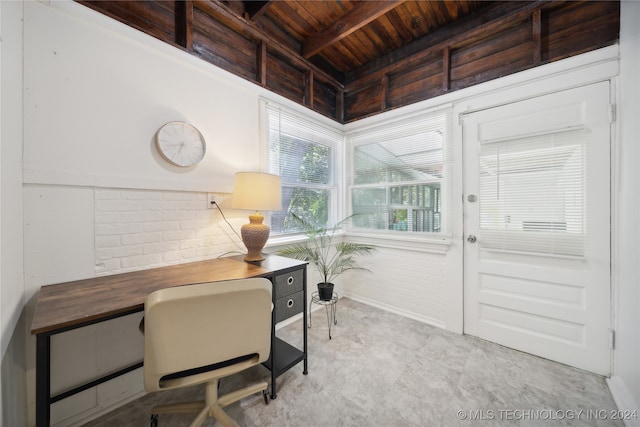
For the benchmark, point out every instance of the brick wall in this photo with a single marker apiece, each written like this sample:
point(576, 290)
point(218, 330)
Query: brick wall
point(137, 229)
point(411, 283)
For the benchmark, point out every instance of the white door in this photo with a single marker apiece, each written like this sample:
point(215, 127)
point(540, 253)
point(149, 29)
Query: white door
point(537, 226)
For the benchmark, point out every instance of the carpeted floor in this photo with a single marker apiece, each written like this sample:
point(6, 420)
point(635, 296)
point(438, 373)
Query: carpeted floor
point(381, 369)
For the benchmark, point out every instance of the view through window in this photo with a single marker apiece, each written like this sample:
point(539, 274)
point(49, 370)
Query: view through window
point(302, 152)
point(401, 174)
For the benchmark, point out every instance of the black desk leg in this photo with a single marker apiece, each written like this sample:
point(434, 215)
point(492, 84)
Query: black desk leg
point(43, 379)
point(273, 354)
point(305, 313)
point(273, 384)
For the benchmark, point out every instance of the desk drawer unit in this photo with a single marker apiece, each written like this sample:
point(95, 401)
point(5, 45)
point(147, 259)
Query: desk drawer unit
point(289, 295)
point(289, 283)
point(289, 306)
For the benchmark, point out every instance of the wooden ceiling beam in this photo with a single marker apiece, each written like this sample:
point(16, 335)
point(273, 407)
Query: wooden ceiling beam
point(255, 9)
point(216, 10)
point(356, 18)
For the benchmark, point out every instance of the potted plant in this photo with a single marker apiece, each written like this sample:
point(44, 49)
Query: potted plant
point(329, 260)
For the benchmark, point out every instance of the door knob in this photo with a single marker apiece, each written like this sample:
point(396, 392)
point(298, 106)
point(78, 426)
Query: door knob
point(471, 238)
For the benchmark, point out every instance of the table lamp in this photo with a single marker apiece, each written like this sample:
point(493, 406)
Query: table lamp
point(260, 192)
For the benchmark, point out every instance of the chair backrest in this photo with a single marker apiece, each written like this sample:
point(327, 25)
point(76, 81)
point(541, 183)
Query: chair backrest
point(188, 327)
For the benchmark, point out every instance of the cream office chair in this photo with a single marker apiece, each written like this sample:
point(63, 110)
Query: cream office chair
point(200, 333)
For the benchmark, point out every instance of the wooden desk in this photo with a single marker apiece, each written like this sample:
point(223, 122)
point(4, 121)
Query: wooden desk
point(65, 306)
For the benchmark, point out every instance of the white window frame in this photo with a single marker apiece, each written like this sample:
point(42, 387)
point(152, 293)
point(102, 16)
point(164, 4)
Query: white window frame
point(446, 182)
point(331, 137)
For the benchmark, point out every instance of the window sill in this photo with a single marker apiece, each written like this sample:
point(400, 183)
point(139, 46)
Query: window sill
point(281, 241)
point(430, 244)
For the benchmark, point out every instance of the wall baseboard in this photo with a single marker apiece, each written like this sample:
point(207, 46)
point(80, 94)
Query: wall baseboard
point(374, 303)
point(85, 417)
point(624, 400)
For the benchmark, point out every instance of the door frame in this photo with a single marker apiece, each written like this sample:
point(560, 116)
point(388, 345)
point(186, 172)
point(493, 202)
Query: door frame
point(570, 272)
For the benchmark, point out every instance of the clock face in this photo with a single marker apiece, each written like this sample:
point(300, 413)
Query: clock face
point(180, 144)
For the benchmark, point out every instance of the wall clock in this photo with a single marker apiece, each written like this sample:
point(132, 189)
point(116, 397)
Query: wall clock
point(180, 144)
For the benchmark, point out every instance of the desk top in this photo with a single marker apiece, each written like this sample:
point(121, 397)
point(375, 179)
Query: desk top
point(72, 304)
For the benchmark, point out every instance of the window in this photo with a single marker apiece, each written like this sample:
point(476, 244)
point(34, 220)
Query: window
point(533, 193)
point(302, 152)
point(401, 174)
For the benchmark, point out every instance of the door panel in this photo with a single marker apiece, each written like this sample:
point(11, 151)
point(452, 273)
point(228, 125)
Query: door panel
point(537, 201)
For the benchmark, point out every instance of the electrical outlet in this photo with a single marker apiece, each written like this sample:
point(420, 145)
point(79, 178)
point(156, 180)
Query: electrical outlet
point(213, 198)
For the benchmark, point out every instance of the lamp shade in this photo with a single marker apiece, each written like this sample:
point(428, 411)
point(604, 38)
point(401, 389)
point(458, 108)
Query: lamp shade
point(257, 191)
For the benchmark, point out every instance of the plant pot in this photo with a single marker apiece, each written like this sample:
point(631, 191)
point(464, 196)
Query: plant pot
point(325, 291)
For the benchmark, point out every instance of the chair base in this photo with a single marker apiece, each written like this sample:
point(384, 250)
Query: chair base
point(211, 407)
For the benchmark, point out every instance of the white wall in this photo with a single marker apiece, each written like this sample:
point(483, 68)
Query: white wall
point(11, 280)
point(11, 169)
point(625, 383)
point(412, 283)
point(96, 92)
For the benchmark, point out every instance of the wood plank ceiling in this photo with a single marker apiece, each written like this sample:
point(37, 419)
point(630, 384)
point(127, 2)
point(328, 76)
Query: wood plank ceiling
point(340, 37)
point(350, 59)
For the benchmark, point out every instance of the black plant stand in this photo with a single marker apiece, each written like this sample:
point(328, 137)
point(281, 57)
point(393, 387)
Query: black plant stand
point(329, 305)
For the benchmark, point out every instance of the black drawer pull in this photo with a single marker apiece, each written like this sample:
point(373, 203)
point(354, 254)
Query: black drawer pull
point(290, 303)
point(290, 280)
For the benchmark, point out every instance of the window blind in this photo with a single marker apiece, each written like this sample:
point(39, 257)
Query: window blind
point(302, 152)
point(533, 194)
point(402, 173)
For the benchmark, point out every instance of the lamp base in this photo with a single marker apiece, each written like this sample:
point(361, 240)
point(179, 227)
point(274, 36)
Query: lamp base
point(254, 236)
